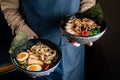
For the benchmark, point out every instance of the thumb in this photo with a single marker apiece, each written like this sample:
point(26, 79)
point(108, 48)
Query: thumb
point(33, 37)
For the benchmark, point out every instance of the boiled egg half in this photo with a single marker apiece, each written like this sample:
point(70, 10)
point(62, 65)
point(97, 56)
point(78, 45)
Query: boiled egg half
point(22, 56)
point(34, 67)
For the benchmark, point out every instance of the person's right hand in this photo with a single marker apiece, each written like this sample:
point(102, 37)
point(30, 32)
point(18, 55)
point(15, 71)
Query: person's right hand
point(27, 31)
point(76, 44)
point(31, 35)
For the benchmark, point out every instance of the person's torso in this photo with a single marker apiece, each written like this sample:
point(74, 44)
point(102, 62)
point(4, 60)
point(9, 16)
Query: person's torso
point(44, 16)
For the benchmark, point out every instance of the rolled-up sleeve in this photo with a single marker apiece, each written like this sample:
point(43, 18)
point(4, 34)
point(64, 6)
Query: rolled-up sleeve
point(10, 9)
point(86, 4)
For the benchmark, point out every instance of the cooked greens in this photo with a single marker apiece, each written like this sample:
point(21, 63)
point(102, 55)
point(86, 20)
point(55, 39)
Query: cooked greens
point(95, 12)
point(19, 40)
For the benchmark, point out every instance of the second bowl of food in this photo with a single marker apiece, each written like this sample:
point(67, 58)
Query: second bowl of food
point(83, 29)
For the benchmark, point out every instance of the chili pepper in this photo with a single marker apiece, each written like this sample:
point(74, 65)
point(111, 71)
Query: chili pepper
point(84, 33)
point(45, 67)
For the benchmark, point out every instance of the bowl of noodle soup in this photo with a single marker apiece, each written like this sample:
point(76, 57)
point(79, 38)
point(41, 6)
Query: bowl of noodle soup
point(37, 57)
point(82, 29)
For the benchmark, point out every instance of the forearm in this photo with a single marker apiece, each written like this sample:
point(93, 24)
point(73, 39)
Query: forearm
point(86, 4)
point(10, 9)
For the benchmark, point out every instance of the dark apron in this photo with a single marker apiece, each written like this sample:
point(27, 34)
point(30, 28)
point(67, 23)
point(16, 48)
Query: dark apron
point(43, 17)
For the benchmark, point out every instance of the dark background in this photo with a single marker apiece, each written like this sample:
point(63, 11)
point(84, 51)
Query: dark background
point(102, 60)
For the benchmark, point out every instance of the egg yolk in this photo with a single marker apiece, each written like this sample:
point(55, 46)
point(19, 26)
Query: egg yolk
point(32, 68)
point(21, 56)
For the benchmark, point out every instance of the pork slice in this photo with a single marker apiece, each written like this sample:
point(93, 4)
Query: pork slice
point(35, 61)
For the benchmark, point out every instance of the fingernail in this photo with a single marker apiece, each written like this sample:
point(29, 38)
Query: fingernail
point(30, 37)
point(75, 44)
point(33, 37)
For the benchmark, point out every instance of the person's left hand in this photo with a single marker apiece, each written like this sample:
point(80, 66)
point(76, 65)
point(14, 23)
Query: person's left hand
point(78, 44)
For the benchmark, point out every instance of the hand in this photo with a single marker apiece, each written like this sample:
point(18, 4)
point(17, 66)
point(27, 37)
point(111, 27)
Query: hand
point(78, 44)
point(33, 37)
